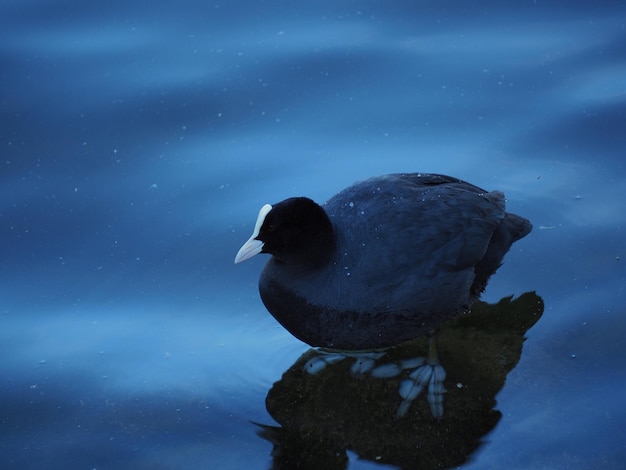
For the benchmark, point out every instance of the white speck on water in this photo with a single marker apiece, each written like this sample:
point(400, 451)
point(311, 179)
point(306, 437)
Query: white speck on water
point(362, 212)
point(351, 204)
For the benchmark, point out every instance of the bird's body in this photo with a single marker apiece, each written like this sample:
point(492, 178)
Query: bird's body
point(402, 254)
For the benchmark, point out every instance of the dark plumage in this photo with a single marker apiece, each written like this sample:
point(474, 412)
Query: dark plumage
point(383, 261)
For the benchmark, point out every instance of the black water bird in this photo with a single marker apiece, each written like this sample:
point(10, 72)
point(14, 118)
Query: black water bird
point(383, 261)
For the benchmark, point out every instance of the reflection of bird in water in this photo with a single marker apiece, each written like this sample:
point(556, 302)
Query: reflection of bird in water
point(383, 261)
point(346, 406)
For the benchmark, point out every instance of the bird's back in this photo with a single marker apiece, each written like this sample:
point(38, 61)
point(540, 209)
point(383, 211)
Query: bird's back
point(410, 240)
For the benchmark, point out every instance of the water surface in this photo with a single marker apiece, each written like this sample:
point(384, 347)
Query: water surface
point(139, 139)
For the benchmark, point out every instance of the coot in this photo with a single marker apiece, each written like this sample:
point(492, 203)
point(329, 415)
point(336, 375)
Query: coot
point(383, 261)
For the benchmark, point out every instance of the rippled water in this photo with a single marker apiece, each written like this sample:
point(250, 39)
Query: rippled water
point(139, 139)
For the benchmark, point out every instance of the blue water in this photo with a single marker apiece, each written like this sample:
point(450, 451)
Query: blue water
point(139, 139)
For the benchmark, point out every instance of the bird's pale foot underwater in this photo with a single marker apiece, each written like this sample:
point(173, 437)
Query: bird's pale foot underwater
point(420, 372)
